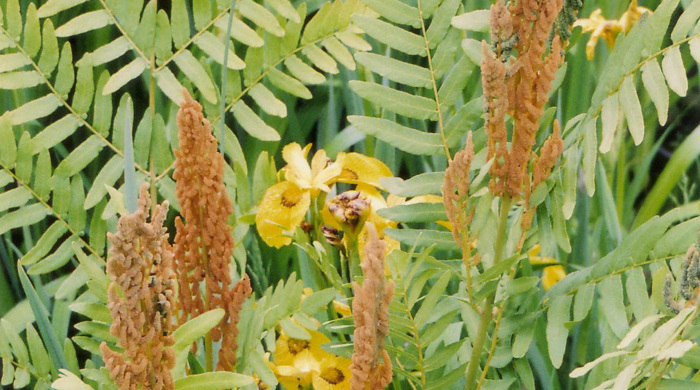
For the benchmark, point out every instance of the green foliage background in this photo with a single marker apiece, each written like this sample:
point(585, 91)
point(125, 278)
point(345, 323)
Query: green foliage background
point(81, 78)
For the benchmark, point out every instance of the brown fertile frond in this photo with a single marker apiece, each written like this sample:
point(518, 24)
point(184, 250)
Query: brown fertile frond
point(493, 79)
point(518, 86)
point(549, 154)
point(203, 243)
point(455, 191)
point(371, 366)
point(233, 303)
point(141, 295)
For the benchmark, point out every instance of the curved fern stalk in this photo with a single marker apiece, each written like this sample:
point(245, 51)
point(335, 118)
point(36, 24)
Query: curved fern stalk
point(616, 94)
point(424, 97)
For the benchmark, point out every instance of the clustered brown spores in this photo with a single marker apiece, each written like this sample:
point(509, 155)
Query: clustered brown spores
point(371, 366)
point(517, 74)
point(141, 296)
point(203, 243)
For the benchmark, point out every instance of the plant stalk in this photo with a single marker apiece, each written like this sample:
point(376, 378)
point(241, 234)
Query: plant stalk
point(487, 310)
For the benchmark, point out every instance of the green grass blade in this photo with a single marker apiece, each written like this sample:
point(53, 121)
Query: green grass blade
point(42, 320)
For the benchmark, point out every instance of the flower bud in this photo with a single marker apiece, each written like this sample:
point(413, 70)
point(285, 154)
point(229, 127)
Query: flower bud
point(333, 235)
point(350, 209)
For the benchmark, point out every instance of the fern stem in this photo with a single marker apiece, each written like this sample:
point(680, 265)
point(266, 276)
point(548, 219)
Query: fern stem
point(224, 73)
point(487, 310)
point(441, 126)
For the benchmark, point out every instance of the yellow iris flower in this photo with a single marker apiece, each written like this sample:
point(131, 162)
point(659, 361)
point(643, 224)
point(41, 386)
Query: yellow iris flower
point(551, 274)
point(285, 204)
point(302, 363)
point(599, 27)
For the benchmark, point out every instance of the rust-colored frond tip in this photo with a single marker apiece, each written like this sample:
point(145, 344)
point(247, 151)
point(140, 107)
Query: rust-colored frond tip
point(141, 299)
point(517, 85)
point(233, 303)
point(371, 365)
point(204, 243)
point(455, 190)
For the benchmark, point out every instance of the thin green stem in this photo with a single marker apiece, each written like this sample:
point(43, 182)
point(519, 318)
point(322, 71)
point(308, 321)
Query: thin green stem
point(433, 79)
point(354, 259)
point(152, 108)
point(487, 309)
point(224, 73)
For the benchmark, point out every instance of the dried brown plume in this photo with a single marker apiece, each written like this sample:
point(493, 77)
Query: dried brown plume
point(141, 296)
point(518, 85)
point(234, 303)
point(203, 243)
point(371, 366)
point(455, 196)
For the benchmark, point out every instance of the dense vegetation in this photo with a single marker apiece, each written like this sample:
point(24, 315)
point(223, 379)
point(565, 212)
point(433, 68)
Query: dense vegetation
point(349, 194)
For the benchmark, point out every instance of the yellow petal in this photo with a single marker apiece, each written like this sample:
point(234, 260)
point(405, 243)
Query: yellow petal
point(282, 209)
point(334, 374)
point(360, 169)
point(393, 200)
point(377, 202)
point(328, 218)
point(307, 366)
point(288, 349)
point(342, 308)
point(297, 169)
point(425, 199)
point(551, 275)
point(324, 171)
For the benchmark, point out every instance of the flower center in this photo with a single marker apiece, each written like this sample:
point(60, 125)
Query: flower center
point(333, 376)
point(289, 199)
point(297, 346)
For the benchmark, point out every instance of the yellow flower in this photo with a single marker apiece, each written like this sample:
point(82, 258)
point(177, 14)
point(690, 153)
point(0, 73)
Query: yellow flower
point(632, 15)
point(297, 360)
point(302, 363)
point(285, 204)
point(360, 169)
point(551, 274)
point(608, 29)
point(315, 177)
point(334, 374)
point(288, 349)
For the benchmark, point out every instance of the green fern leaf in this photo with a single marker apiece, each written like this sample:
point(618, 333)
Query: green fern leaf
point(20, 80)
point(129, 72)
point(394, 37)
point(52, 7)
point(404, 138)
point(84, 23)
point(189, 65)
point(35, 109)
point(55, 133)
point(32, 32)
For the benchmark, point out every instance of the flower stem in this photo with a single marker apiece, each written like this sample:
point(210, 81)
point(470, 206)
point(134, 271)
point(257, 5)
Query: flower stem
point(354, 260)
point(487, 309)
